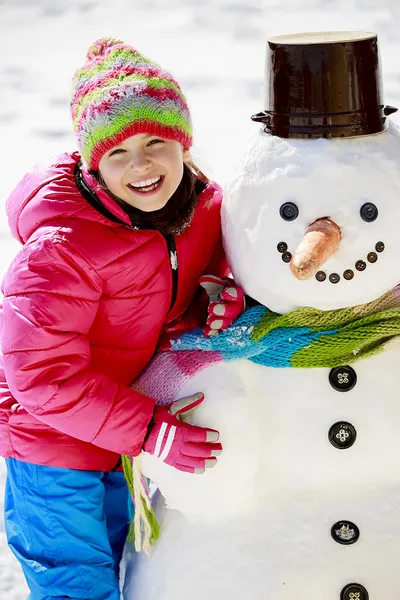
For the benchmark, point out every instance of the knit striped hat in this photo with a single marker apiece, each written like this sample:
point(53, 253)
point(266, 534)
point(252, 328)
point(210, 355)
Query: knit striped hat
point(119, 93)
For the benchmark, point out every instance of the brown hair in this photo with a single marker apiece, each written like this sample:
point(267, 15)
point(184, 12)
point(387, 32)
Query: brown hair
point(176, 215)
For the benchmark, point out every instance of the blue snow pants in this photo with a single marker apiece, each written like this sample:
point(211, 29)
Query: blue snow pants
point(67, 529)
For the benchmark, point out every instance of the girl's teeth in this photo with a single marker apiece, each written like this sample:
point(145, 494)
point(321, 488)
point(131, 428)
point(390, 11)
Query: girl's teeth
point(149, 188)
point(146, 183)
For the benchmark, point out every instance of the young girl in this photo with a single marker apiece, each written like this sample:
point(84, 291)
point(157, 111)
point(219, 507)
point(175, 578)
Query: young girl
point(115, 240)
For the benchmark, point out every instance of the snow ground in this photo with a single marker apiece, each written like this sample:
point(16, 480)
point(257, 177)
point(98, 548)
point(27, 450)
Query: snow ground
point(215, 48)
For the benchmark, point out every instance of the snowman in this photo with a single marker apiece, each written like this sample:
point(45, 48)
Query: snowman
point(304, 388)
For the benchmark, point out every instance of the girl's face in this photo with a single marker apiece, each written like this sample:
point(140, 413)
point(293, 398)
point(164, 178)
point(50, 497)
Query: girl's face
point(144, 170)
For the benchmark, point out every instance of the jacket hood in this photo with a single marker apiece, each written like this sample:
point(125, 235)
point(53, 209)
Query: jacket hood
point(49, 194)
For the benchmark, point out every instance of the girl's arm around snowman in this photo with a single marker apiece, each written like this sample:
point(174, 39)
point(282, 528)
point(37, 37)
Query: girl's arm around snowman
point(51, 297)
point(218, 302)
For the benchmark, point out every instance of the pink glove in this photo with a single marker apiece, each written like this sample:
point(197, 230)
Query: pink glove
point(181, 445)
point(227, 302)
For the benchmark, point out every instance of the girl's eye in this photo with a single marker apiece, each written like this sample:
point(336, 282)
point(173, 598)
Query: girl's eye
point(152, 142)
point(116, 151)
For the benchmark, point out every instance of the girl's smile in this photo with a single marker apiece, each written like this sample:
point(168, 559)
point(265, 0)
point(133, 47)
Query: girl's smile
point(144, 170)
point(148, 186)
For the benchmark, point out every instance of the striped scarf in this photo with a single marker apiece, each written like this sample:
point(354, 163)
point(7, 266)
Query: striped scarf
point(303, 338)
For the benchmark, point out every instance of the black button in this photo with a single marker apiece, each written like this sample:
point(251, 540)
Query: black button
point(354, 591)
point(379, 246)
point(286, 257)
point(345, 532)
point(320, 276)
point(343, 379)
point(369, 212)
point(361, 265)
point(282, 247)
point(342, 435)
point(348, 274)
point(334, 277)
point(289, 211)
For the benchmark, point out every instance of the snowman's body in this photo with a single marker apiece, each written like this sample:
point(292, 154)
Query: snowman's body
point(259, 524)
point(305, 458)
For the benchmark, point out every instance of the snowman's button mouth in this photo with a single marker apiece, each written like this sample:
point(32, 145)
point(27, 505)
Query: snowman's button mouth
point(334, 278)
point(361, 265)
point(348, 274)
point(281, 247)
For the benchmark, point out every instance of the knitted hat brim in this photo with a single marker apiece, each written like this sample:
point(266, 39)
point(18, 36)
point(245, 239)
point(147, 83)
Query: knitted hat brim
point(149, 127)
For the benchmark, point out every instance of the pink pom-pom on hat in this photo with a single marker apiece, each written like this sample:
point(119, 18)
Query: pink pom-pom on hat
point(100, 46)
point(119, 93)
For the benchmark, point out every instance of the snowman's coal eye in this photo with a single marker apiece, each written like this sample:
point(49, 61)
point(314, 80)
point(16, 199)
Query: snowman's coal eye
point(369, 212)
point(289, 211)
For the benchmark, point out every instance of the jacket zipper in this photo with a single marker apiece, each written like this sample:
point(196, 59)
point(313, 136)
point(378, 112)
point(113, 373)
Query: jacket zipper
point(173, 260)
point(119, 463)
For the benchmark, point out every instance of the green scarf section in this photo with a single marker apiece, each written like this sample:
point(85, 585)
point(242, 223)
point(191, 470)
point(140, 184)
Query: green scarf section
point(303, 338)
point(341, 335)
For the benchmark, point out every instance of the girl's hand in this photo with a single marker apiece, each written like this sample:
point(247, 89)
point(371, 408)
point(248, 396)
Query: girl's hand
point(186, 447)
point(227, 302)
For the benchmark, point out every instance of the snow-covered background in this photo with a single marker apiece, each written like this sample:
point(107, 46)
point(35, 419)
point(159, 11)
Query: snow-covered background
point(215, 48)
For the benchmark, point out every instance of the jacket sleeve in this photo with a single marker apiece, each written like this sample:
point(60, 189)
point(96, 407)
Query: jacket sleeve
point(51, 296)
point(196, 314)
point(218, 265)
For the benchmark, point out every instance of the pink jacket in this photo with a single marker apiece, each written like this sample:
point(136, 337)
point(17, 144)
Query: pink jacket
point(85, 302)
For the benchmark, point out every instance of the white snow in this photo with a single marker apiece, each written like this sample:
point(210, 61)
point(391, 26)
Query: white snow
point(215, 48)
point(258, 524)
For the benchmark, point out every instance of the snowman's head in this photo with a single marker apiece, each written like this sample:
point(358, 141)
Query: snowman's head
point(316, 222)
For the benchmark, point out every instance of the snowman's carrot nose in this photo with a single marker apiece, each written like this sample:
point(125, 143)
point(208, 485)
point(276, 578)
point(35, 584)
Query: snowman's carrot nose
point(319, 243)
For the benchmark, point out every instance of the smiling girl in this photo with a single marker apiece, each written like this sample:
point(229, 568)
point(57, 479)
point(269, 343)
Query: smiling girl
point(115, 239)
point(155, 176)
